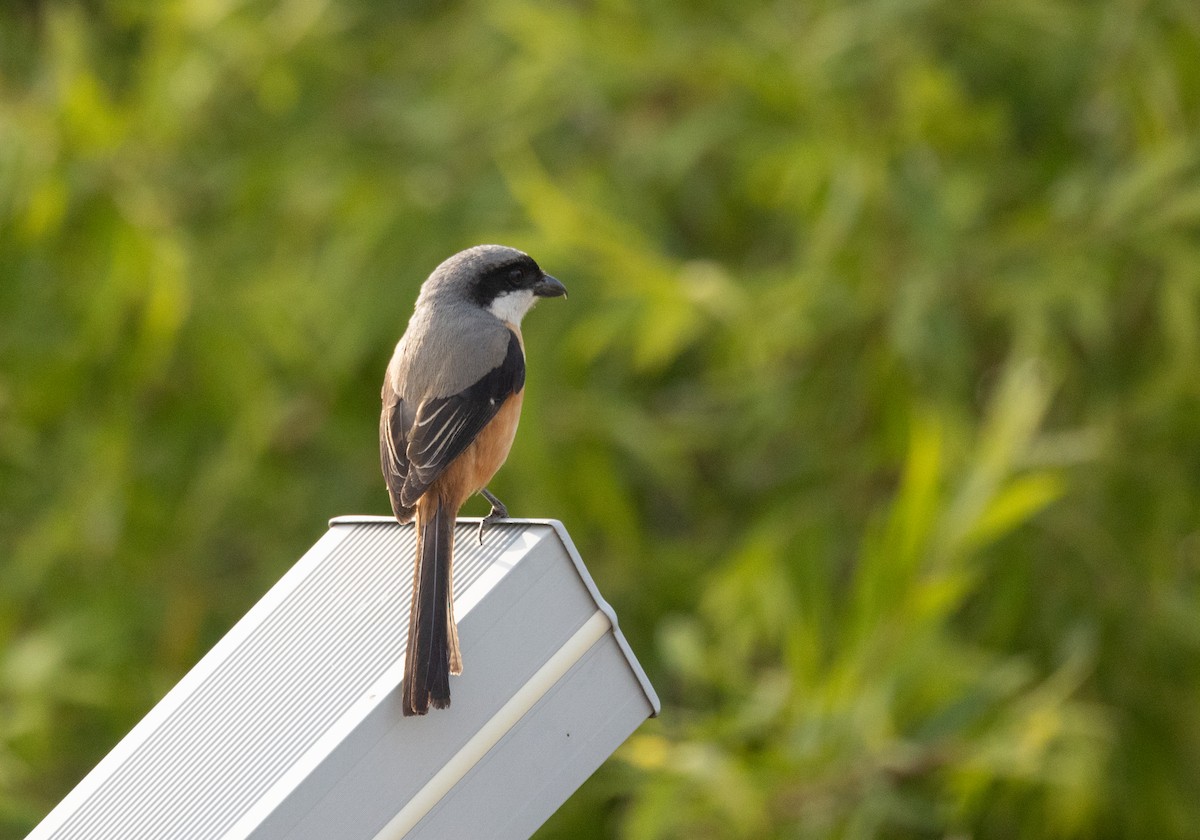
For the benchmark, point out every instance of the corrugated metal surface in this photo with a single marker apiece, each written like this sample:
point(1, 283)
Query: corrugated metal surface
point(287, 728)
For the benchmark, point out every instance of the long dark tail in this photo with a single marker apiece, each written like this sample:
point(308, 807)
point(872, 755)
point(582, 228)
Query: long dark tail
point(427, 666)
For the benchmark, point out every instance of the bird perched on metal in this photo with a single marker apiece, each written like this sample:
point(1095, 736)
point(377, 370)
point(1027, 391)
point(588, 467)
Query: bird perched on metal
point(451, 402)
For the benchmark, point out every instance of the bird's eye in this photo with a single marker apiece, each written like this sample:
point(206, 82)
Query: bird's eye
point(513, 279)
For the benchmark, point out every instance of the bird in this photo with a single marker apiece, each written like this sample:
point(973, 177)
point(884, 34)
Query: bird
point(451, 403)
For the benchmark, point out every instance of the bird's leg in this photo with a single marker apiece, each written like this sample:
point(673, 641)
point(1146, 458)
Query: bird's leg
point(499, 511)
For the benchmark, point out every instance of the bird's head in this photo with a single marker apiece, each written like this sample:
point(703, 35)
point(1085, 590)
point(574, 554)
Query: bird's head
point(502, 280)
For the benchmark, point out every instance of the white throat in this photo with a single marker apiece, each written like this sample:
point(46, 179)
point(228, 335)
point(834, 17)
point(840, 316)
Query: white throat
point(512, 306)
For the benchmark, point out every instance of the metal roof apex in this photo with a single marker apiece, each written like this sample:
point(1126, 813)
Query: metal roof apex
point(576, 559)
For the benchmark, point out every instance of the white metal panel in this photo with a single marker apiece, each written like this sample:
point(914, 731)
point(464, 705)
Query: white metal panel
point(290, 726)
point(553, 749)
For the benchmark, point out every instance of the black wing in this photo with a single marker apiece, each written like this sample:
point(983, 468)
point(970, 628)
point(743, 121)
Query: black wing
point(444, 427)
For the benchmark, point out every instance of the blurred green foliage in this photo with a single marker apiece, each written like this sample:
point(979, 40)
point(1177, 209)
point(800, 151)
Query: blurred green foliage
point(875, 409)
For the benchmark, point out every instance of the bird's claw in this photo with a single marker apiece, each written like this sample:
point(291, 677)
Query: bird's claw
point(498, 512)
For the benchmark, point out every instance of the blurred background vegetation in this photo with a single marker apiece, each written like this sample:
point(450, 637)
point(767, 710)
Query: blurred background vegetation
point(875, 409)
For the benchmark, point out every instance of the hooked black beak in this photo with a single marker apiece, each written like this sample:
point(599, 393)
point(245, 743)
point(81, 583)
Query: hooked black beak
point(549, 287)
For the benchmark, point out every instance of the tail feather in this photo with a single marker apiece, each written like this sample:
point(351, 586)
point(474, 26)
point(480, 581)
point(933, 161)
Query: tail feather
point(427, 666)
